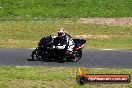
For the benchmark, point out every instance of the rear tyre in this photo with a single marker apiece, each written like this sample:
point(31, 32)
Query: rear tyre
point(76, 55)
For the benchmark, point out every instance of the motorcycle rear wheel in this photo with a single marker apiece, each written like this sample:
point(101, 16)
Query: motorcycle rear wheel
point(77, 55)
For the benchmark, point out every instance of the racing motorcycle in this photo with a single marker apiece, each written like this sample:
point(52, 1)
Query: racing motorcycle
point(46, 52)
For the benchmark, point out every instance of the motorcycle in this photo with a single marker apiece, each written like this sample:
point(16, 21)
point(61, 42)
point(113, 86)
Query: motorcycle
point(46, 52)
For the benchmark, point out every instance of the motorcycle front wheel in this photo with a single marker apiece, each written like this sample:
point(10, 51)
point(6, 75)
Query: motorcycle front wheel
point(35, 55)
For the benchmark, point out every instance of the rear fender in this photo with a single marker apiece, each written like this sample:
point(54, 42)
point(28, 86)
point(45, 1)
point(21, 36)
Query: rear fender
point(79, 47)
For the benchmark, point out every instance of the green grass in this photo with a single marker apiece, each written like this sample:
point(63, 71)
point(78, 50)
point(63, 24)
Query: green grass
point(52, 77)
point(118, 43)
point(48, 9)
point(26, 34)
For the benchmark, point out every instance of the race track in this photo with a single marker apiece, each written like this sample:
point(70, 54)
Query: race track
point(92, 58)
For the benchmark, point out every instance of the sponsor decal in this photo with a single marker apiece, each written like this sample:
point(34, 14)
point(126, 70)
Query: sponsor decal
point(83, 78)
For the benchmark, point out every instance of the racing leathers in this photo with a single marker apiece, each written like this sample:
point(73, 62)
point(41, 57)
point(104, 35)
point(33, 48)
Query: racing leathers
point(65, 42)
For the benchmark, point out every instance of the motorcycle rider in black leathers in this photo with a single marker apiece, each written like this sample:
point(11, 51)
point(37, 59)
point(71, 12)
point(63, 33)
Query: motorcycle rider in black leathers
point(66, 41)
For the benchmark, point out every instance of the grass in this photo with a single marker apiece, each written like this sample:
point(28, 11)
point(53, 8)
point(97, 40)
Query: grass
point(26, 34)
point(111, 43)
point(43, 9)
point(52, 77)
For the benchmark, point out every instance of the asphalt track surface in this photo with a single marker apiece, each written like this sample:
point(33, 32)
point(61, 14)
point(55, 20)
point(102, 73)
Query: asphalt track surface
point(92, 58)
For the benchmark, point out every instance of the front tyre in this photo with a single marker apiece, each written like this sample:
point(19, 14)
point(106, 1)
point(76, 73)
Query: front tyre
point(76, 55)
point(35, 55)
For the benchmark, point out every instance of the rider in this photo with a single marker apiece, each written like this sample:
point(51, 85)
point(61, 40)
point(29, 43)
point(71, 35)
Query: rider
point(67, 41)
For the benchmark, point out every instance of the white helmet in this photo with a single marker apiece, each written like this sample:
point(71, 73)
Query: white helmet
point(61, 32)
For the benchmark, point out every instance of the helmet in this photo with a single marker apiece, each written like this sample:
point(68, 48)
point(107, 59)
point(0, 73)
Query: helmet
point(61, 32)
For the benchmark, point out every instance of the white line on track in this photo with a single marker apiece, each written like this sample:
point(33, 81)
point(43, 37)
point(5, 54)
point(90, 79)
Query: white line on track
point(107, 49)
point(22, 66)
